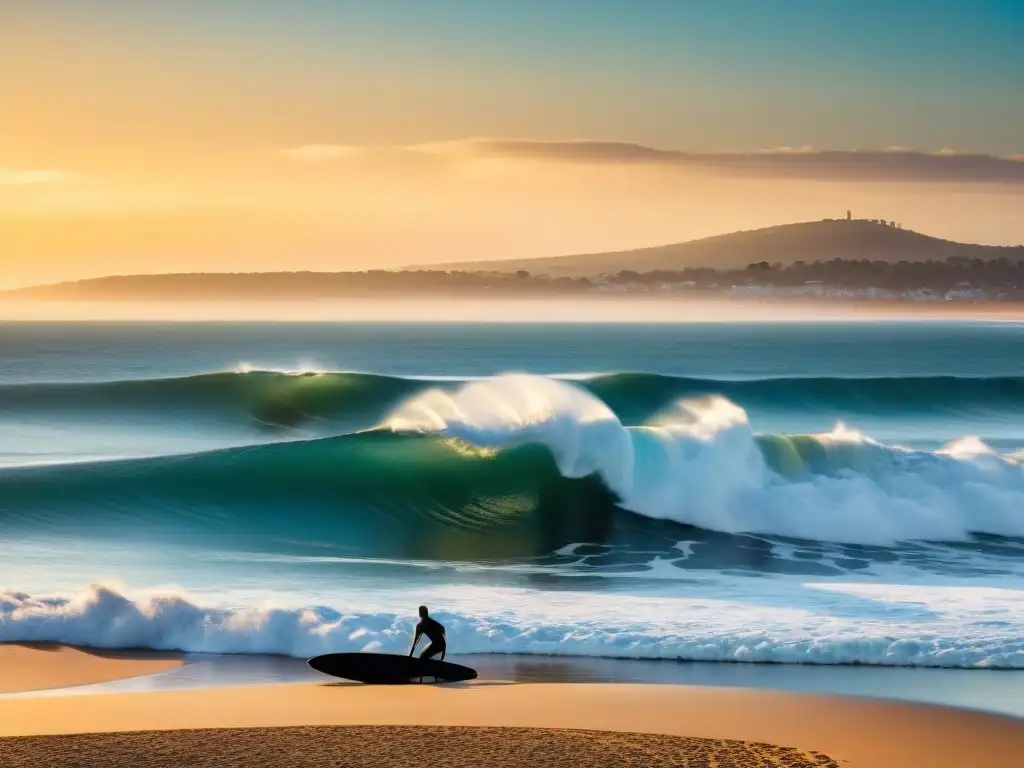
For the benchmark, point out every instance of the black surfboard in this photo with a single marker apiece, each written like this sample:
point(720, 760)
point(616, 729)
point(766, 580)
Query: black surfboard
point(389, 668)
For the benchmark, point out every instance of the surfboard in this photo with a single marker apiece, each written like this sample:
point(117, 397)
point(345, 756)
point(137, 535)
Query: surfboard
point(389, 668)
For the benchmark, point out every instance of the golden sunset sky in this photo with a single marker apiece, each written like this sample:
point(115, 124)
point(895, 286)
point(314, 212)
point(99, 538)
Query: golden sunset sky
point(245, 136)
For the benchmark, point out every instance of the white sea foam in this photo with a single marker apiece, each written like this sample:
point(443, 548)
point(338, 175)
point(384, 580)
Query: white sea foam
point(822, 623)
point(703, 465)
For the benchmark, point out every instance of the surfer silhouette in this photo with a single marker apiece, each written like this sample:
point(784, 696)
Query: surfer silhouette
point(434, 631)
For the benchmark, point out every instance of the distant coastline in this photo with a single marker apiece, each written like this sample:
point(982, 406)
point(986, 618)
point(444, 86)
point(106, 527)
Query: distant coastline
point(835, 260)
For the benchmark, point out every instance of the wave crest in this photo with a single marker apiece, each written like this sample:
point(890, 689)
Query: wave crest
point(349, 400)
point(701, 464)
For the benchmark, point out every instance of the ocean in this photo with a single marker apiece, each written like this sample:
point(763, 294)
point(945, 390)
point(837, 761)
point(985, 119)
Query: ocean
point(829, 494)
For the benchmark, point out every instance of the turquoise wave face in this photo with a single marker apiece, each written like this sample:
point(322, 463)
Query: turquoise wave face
point(260, 398)
point(373, 494)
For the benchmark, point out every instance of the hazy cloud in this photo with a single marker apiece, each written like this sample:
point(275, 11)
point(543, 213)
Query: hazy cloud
point(806, 149)
point(320, 153)
point(11, 177)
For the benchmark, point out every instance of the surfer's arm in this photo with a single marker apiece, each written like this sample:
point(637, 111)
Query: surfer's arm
point(415, 642)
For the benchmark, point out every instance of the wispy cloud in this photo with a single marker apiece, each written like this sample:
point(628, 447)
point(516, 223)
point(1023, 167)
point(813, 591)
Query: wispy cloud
point(894, 163)
point(322, 153)
point(890, 164)
point(12, 177)
point(806, 149)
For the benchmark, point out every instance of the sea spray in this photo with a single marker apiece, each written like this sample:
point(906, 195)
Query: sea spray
point(702, 465)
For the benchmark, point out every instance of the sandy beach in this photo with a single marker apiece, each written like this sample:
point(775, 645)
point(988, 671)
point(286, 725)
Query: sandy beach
point(33, 667)
point(401, 745)
point(556, 724)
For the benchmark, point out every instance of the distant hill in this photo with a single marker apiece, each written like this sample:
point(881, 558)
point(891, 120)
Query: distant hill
point(829, 251)
point(810, 241)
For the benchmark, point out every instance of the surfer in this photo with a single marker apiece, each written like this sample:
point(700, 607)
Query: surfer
point(434, 630)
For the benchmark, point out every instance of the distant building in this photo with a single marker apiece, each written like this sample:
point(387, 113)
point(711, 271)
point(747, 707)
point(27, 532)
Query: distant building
point(849, 215)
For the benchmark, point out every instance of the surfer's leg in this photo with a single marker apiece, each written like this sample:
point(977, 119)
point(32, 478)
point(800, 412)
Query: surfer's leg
point(430, 650)
point(434, 649)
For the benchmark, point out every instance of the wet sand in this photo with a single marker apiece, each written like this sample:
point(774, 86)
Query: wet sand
point(33, 667)
point(992, 690)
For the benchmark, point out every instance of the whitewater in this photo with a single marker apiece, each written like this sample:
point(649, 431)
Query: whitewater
point(850, 495)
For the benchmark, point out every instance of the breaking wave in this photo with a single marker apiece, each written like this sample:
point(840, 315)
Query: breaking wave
point(519, 465)
point(952, 634)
